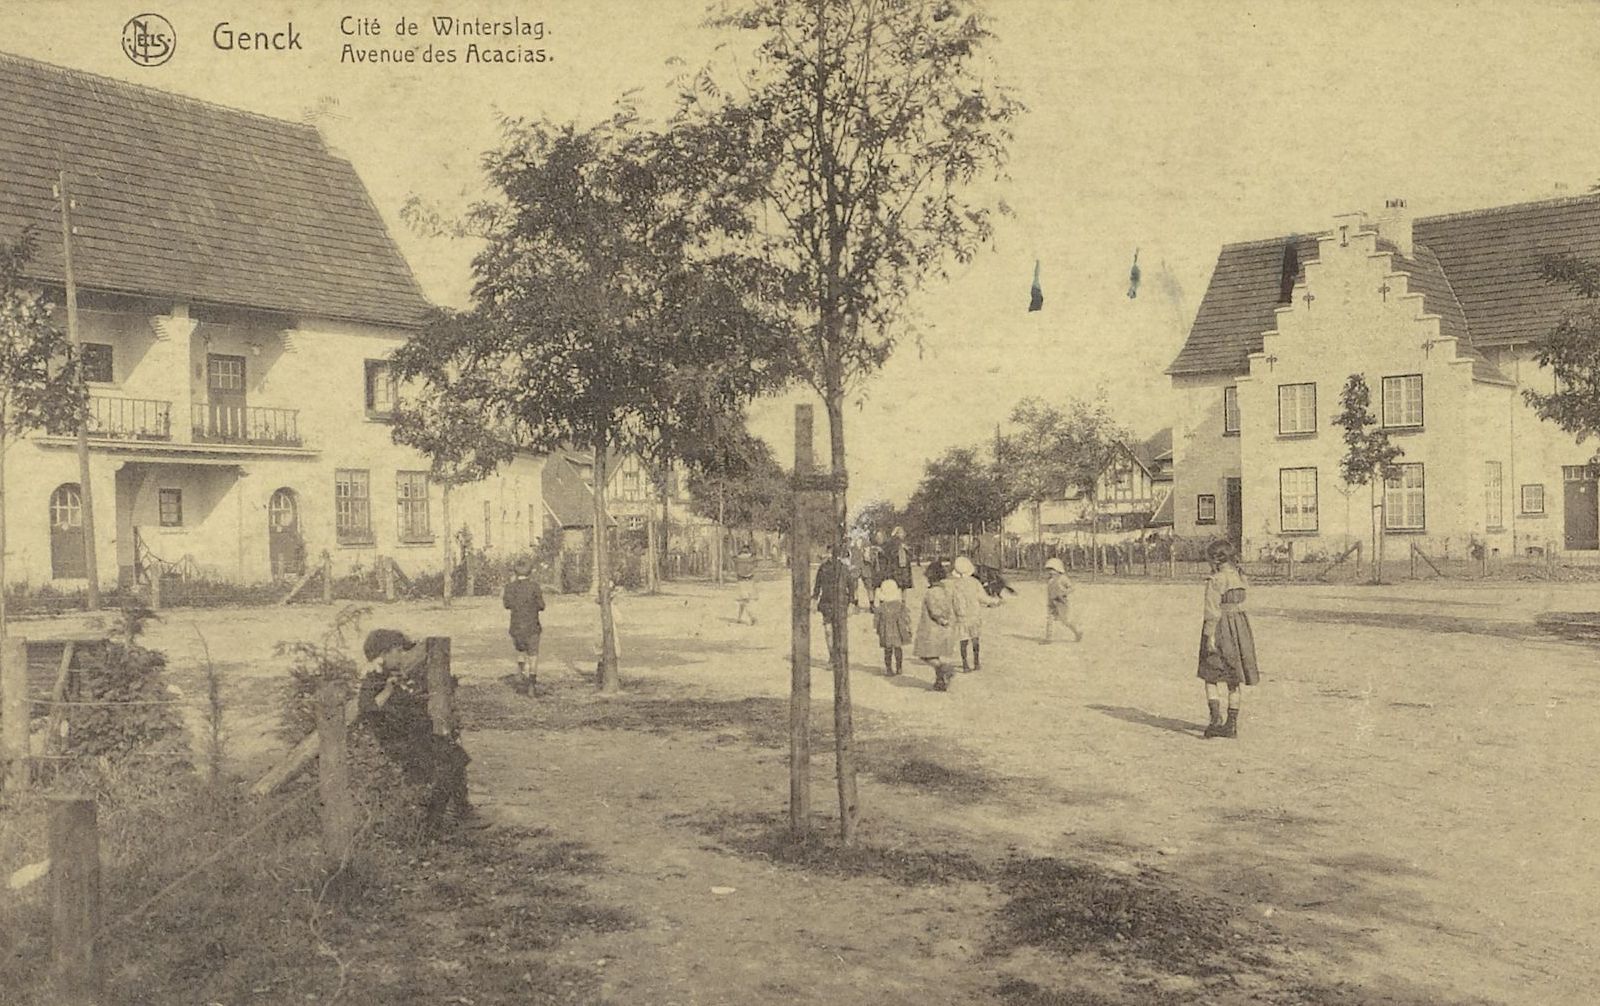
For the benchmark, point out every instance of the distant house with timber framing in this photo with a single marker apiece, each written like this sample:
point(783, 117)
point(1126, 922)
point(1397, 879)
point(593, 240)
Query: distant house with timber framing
point(1130, 496)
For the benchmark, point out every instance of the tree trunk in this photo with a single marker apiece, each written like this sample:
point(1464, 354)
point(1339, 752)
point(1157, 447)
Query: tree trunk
point(1094, 536)
point(651, 571)
point(1375, 518)
point(1038, 534)
point(606, 672)
point(722, 530)
point(449, 535)
point(843, 726)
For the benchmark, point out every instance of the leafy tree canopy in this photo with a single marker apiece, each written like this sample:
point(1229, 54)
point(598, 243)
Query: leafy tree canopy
point(959, 491)
point(1571, 350)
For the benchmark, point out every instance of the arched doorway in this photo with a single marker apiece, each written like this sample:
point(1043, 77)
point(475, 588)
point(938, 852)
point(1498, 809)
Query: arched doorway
point(285, 547)
point(66, 533)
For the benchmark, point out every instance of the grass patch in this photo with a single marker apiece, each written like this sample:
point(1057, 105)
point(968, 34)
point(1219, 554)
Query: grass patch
point(1069, 908)
point(767, 837)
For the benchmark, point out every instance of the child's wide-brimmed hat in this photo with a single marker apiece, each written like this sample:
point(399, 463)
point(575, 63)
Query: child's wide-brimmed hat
point(1055, 564)
point(522, 567)
point(888, 591)
point(964, 566)
point(1220, 550)
point(381, 641)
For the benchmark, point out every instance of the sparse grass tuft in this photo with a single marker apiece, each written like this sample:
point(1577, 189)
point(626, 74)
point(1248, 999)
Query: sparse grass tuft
point(766, 836)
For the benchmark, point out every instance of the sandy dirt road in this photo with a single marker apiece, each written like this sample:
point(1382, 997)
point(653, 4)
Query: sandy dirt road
point(1413, 795)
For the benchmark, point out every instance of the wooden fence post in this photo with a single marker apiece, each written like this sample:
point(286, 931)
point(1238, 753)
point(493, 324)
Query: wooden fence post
point(75, 899)
point(327, 577)
point(1413, 557)
point(470, 560)
point(386, 574)
point(14, 711)
point(1172, 559)
point(333, 775)
point(155, 589)
point(1291, 560)
point(441, 685)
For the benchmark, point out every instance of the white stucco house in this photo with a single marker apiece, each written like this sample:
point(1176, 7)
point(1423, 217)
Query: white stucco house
point(239, 297)
point(1441, 315)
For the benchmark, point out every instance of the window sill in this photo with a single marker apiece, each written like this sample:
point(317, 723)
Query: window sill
point(1540, 515)
point(1405, 530)
point(357, 542)
point(417, 542)
point(1230, 433)
point(1307, 435)
point(1497, 529)
point(380, 417)
point(1403, 430)
point(1301, 534)
point(1205, 523)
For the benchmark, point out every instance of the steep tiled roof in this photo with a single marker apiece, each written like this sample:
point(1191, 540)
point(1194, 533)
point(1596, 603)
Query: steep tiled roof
point(1155, 450)
point(566, 495)
point(181, 198)
point(1246, 287)
point(1479, 271)
point(1493, 260)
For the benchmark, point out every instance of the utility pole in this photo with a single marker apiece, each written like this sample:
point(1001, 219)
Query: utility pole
point(91, 568)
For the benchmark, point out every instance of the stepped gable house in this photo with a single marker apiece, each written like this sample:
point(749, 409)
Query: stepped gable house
point(239, 296)
point(1442, 315)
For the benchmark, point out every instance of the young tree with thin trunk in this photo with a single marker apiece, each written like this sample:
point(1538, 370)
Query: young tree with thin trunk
point(601, 315)
point(1369, 458)
point(39, 385)
point(855, 140)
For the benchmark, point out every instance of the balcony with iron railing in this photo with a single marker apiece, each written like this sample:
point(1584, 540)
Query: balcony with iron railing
point(245, 424)
point(130, 418)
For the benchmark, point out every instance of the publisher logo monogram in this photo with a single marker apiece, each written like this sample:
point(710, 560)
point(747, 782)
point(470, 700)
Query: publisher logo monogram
point(148, 39)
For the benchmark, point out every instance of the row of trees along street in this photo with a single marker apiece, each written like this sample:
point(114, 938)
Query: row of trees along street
point(639, 284)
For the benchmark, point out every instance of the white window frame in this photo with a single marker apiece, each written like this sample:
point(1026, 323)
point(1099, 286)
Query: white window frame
point(1200, 506)
point(352, 506)
point(1522, 498)
point(1494, 496)
point(175, 496)
point(1402, 410)
point(413, 521)
point(1294, 412)
point(1230, 411)
point(1399, 496)
point(1297, 501)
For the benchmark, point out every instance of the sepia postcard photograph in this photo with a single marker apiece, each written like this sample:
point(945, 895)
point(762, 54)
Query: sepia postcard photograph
point(1035, 502)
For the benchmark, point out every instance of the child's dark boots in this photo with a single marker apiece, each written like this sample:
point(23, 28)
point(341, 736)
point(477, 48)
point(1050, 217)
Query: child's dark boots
point(1214, 728)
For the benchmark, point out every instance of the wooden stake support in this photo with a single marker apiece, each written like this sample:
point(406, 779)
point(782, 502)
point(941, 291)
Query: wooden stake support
point(75, 900)
point(14, 751)
point(333, 775)
point(800, 630)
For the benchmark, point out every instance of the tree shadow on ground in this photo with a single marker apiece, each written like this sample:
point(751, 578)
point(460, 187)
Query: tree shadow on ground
point(1410, 621)
point(1129, 714)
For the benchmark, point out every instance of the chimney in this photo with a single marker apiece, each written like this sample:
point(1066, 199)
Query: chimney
point(1394, 224)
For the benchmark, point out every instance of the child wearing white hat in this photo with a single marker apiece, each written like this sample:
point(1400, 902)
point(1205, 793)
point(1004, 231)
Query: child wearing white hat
point(1058, 594)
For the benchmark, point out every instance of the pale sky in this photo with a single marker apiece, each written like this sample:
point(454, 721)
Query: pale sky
point(1172, 128)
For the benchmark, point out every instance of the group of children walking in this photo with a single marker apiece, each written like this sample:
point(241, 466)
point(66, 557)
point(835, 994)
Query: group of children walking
point(951, 620)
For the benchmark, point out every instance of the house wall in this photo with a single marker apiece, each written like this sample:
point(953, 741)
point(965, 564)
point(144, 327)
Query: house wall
point(1203, 456)
point(316, 369)
point(1352, 325)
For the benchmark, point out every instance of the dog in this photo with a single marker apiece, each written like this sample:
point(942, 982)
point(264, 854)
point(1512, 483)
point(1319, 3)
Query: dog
point(994, 584)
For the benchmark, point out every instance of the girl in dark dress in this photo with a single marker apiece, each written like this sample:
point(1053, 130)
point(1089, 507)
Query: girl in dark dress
point(1227, 647)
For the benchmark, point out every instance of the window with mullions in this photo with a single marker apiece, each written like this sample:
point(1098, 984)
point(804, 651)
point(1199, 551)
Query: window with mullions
point(1205, 509)
point(1297, 499)
point(1230, 410)
point(1533, 498)
point(169, 503)
point(411, 506)
point(1297, 408)
point(1402, 401)
point(1493, 496)
point(352, 506)
point(1405, 500)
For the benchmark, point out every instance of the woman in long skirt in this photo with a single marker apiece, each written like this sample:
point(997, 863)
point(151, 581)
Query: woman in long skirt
point(1227, 647)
